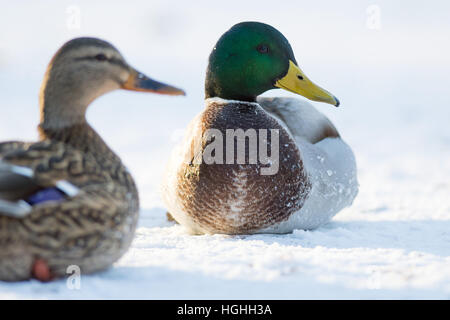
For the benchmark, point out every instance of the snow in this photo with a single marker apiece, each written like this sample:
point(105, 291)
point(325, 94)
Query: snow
point(344, 259)
point(392, 243)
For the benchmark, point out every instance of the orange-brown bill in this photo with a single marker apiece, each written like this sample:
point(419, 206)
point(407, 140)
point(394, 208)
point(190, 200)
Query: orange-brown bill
point(137, 81)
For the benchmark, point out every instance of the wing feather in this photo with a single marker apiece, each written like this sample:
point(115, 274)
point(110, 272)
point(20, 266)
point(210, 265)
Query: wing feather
point(300, 118)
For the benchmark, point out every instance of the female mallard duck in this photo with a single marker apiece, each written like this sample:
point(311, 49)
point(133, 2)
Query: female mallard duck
point(212, 185)
point(68, 199)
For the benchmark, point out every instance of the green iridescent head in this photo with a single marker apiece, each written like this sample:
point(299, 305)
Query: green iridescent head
point(252, 58)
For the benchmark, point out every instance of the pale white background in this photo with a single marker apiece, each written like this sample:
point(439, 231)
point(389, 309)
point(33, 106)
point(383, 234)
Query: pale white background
point(391, 75)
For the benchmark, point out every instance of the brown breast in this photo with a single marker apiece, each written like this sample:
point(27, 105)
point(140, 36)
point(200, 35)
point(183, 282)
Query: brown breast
point(236, 198)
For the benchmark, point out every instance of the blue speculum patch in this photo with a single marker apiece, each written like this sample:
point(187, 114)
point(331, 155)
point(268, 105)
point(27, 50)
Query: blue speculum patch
point(49, 194)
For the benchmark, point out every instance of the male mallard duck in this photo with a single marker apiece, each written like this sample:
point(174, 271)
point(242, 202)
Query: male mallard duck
point(212, 185)
point(68, 199)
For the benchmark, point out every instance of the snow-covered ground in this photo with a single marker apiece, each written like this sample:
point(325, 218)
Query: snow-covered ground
point(392, 81)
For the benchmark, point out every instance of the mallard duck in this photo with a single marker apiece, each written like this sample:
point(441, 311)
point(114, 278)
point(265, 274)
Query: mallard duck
point(214, 185)
point(68, 199)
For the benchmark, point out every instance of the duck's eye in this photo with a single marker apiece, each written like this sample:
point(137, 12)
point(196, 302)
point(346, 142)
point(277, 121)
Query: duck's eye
point(262, 48)
point(101, 57)
point(299, 77)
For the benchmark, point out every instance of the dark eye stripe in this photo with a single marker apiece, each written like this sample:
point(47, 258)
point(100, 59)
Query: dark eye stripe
point(117, 62)
point(101, 57)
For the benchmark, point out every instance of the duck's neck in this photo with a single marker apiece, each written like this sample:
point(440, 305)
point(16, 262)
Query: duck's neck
point(215, 87)
point(213, 93)
point(64, 120)
point(63, 101)
point(53, 117)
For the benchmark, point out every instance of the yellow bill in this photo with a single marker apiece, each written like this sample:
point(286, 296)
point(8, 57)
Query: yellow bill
point(297, 82)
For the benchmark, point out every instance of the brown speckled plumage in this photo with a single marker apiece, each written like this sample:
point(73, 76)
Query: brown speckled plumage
point(208, 194)
point(91, 230)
